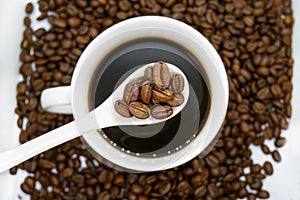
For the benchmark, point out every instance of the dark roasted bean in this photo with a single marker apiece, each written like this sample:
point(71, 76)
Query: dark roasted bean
point(67, 172)
point(139, 110)
point(268, 168)
point(161, 75)
point(177, 83)
point(46, 164)
point(25, 188)
point(131, 92)
point(105, 176)
point(279, 142)
point(161, 111)
point(177, 100)
point(162, 95)
point(29, 8)
point(61, 23)
point(263, 194)
point(74, 22)
point(259, 107)
point(136, 189)
point(276, 156)
point(122, 108)
point(148, 74)
point(265, 149)
point(30, 182)
point(146, 92)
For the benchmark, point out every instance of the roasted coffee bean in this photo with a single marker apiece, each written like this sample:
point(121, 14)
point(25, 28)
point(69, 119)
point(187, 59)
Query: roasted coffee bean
point(259, 107)
point(119, 180)
point(279, 142)
point(74, 22)
point(27, 22)
point(148, 74)
point(30, 182)
point(122, 108)
point(177, 100)
point(276, 156)
point(161, 75)
point(197, 179)
point(177, 83)
point(106, 176)
point(139, 110)
point(161, 111)
point(242, 193)
point(265, 149)
point(67, 172)
point(131, 92)
point(13, 170)
point(136, 189)
point(256, 185)
point(146, 92)
point(268, 168)
point(46, 164)
point(103, 196)
point(25, 188)
point(263, 194)
point(162, 95)
point(200, 191)
point(78, 178)
point(184, 187)
point(165, 187)
point(264, 93)
point(255, 168)
point(60, 23)
point(21, 88)
point(232, 115)
point(29, 8)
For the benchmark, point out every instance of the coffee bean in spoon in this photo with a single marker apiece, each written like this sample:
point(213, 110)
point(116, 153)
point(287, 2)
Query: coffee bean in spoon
point(162, 94)
point(161, 111)
point(139, 110)
point(148, 74)
point(177, 83)
point(143, 92)
point(146, 92)
point(177, 100)
point(131, 92)
point(161, 75)
point(122, 108)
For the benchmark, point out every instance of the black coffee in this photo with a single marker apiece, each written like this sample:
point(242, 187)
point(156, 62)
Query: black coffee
point(166, 137)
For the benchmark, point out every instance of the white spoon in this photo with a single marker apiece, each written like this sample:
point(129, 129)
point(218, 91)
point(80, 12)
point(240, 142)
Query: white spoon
point(101, 117)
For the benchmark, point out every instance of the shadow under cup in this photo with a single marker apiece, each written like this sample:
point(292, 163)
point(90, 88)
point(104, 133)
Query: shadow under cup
point(166, 137)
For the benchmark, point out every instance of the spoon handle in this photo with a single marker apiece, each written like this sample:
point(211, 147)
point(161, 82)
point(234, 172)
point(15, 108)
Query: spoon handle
point(38, 145)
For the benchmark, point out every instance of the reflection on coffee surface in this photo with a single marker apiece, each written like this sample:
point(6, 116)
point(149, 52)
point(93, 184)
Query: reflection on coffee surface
point(166, 137)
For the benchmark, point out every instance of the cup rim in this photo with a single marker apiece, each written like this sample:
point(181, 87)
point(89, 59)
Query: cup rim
point(153, 164)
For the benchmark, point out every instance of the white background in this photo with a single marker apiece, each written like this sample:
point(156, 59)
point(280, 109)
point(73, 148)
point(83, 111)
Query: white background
point(283, 185)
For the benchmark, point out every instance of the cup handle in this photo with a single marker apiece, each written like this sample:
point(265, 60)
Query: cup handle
point(57, 100)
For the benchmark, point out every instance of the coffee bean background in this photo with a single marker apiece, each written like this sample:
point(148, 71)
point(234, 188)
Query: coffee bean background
point(253, 39)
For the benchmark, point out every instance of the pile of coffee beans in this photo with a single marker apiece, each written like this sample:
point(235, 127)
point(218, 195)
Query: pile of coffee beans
point(150, 95)
point(253, 38)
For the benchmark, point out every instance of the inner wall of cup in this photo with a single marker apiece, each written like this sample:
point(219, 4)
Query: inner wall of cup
point(108, 75)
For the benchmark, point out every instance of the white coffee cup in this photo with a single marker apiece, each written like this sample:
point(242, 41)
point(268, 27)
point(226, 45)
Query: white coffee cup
point(74, 99)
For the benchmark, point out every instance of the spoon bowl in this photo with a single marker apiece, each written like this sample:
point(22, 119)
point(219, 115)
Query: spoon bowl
point(101, 117)
point(106, 116)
